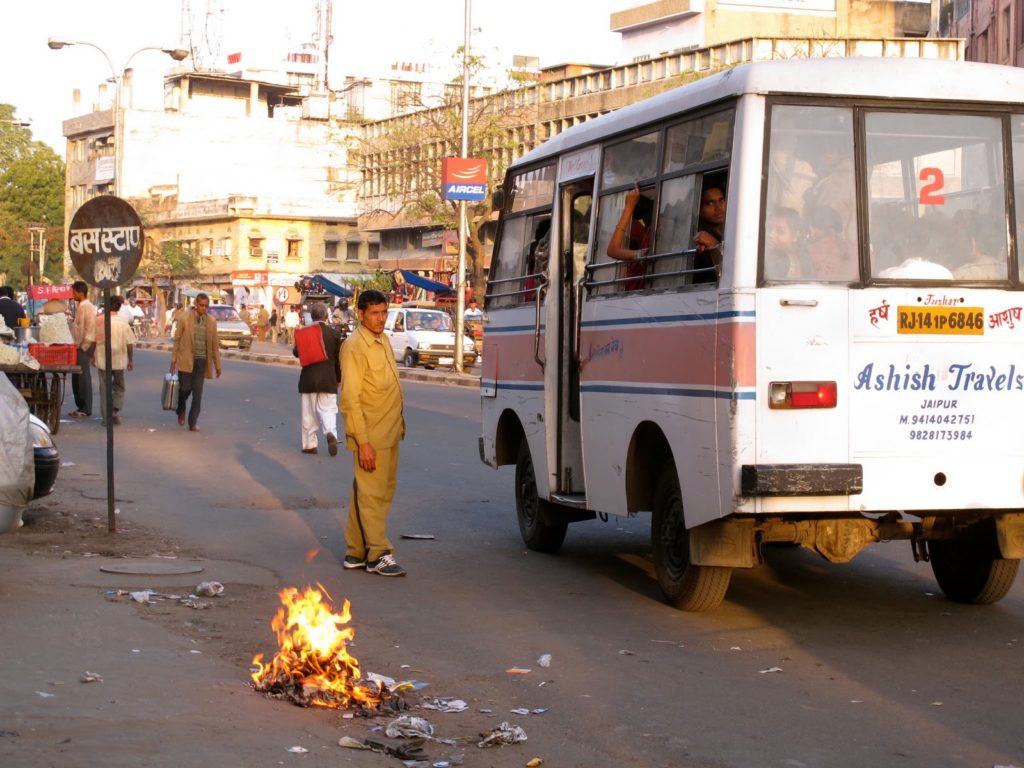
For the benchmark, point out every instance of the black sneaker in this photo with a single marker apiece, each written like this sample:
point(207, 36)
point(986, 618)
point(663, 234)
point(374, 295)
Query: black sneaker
point(332, 444)
point(385, 565)
point(353, 562)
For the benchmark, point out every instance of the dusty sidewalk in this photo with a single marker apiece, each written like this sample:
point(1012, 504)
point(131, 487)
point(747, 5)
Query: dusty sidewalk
point(174, 689)
point(279, 354)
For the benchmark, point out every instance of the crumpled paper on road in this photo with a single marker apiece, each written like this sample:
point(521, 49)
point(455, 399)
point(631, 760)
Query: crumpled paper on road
point(409, 727)
point(505, 733)
point(445, 705)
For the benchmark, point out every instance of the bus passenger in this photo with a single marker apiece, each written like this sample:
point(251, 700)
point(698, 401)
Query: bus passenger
point(783, 252)
point(537, 258)
point(631, 239)
point(710, 232)
point(830, 255)
point(987, 260)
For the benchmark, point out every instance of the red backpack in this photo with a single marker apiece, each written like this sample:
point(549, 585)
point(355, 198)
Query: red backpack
point(310, 343)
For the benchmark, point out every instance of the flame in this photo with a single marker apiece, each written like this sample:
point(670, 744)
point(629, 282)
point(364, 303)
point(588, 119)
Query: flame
point(312, 666)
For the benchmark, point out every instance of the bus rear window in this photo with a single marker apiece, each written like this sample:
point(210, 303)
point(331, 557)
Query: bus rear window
point(811, 210)
point(936, 196)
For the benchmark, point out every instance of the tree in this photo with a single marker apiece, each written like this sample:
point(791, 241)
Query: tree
point(170, 260)
point(405, 156)
point(15, 139)
point(31, 193)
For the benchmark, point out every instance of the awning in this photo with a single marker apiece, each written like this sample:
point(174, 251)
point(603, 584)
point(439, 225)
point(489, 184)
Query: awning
point(422, 282)
point(331, 287)
point(332, 236)
point(192, 292)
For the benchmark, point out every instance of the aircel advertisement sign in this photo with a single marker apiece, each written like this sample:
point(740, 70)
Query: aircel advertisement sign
point(934, 370)
point(464, 178)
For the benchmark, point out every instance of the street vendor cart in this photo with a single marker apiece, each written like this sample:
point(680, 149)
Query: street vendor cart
point(42, 389)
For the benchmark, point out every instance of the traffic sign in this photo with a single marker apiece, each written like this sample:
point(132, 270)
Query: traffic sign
point(105, 241)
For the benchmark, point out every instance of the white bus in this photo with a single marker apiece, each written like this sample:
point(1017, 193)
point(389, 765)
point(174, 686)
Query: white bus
point(840, 361)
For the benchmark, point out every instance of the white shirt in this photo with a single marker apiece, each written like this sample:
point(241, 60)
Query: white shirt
point(125, 312)
point(291, 320)
point(137, 312)
point(472, 313)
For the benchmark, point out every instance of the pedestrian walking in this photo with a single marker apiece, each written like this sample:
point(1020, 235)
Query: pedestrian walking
point(273, 326)
point(195, 351)
point(318, 386)
point(122, 342)
point(10, 310)
point(262, 322)
point(291, 324)
point(371, 403)
point(83, 332)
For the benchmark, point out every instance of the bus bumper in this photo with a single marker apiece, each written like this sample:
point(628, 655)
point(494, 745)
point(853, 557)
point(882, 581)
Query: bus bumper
point(801, 479)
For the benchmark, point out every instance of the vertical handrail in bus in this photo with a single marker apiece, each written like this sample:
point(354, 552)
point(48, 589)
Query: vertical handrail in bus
point(578, 320)
point(538, 298)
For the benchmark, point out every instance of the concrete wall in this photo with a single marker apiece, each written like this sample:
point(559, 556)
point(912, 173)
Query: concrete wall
point(990, 28)
point(294, 167)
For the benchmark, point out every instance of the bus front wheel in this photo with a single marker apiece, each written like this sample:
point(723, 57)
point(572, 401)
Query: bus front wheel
point(969, 568)
point(539, 533)
point(687, 586)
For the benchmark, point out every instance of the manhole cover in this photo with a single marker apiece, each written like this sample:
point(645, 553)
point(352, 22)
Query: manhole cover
point(151, 569)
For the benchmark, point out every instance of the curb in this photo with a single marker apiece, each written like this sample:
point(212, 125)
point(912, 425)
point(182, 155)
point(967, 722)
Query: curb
point(421, 376)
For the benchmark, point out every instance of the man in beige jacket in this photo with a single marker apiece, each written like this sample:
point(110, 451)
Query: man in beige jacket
point(195, 349)
point(83, 330)
point(371, 402)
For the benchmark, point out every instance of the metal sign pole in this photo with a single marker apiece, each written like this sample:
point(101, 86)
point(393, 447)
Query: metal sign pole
point(105, 244)
point(460, 282)
point(108, 403)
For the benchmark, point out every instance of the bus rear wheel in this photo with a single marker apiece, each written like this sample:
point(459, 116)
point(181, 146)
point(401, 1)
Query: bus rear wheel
point(969, 568)
point(533, 512)
point(687, 586)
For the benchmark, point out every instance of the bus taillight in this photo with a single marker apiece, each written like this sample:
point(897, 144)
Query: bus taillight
point(802, 394)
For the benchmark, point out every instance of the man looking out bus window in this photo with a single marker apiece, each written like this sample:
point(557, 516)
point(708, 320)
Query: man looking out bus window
point(710, 232)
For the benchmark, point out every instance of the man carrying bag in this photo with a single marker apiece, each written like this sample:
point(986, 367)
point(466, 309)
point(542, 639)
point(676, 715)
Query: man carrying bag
point(196, 348)
point(317, 348)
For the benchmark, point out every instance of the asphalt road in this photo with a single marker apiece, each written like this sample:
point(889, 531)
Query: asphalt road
point(877, 668)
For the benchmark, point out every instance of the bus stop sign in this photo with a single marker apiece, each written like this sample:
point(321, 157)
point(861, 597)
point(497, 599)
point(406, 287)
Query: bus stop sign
point(105, 241)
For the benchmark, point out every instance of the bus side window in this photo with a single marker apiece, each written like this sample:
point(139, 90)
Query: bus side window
point(508, 262)
point(623, 237)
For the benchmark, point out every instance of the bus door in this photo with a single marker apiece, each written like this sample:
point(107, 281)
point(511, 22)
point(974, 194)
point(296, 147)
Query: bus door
point(575, 206)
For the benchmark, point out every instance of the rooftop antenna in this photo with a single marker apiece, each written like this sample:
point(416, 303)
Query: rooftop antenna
point(322, 39)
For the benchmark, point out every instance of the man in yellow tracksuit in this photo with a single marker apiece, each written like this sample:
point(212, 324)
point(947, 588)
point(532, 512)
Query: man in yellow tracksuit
point(371, 404)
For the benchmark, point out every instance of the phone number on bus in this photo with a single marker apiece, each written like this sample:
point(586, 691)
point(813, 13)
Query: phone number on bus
point(948, 419)
point(941, 434)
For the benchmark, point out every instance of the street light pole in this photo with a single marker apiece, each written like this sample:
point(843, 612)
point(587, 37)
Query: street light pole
point(178, 54)
point(460, 283)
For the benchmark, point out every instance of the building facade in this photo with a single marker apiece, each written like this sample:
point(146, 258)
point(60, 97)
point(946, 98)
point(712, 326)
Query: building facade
point(652, 29)
point(993, 30)
point(248, 179)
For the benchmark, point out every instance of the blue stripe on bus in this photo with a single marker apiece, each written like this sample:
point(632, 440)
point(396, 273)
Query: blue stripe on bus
point(512, 328)
point(679, 391)
point(525, 386)
point(697, 317)
point(610, 322)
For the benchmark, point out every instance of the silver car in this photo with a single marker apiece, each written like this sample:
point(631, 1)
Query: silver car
point(232, 331)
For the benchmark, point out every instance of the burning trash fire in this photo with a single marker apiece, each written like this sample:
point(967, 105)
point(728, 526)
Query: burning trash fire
point(312, 666)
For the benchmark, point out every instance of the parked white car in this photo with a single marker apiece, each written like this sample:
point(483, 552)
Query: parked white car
point(29, 460)
point(421, 336)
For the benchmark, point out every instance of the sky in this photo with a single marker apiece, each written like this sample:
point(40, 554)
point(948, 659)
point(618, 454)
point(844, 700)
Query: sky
point(368, 37)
